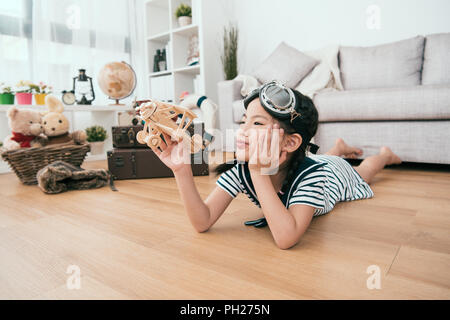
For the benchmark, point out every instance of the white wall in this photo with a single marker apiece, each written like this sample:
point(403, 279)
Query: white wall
point(215, 15)
point(309, 25)
point(138, 56)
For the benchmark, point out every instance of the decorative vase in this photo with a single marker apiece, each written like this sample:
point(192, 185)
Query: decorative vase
point(24, 97)
point(184, 21)
point(6, 98)
point(97, 147)
point(40, 98)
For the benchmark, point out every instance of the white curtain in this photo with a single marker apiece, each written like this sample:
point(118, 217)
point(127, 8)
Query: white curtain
point(49, 40)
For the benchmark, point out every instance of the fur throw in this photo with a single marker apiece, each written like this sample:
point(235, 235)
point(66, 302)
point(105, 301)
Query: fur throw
point(61, 176)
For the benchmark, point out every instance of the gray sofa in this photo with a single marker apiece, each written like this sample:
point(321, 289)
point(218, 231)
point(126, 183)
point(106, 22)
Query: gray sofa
point(396, 94)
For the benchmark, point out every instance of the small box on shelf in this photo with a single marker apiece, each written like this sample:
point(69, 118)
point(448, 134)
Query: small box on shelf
point(161, 88)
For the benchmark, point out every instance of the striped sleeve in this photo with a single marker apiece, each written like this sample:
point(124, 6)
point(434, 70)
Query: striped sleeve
point(310, 191)
point(230, 182)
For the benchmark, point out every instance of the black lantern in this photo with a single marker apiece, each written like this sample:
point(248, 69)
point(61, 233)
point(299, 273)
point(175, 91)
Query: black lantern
point(82, 86)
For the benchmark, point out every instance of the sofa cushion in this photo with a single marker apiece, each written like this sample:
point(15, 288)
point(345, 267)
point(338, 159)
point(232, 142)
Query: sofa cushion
point(285, 64)
point(436, 63)
point(403, 103)
point(388, 65)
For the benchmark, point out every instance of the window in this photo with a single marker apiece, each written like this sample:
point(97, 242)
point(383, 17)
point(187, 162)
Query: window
point(49, 40)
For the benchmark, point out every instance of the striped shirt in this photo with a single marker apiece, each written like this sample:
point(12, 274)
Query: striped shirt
point(321, 181)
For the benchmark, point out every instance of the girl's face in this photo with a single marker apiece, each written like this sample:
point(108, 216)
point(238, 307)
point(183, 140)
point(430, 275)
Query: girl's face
point(255, 118)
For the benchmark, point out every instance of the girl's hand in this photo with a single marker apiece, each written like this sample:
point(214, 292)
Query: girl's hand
point(174, 155)
point(264, 147)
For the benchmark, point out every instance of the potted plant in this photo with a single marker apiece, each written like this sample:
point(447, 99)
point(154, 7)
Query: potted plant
point(41, 91)
point(96, 136)
point(184, 15)
point(229, 54)
point(6, 94)
point(24, 92)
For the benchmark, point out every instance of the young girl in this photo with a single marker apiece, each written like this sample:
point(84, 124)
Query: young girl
point(299, 188)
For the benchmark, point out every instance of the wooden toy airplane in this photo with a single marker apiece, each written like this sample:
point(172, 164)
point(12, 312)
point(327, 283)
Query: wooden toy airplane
point(161, 117)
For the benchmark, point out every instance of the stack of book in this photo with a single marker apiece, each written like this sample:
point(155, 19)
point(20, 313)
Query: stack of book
point(162, 88)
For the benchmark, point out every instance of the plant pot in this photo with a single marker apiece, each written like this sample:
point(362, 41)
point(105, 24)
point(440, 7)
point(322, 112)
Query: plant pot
point(97, 147)
point(40, 98)
point(184, 21)
point(24, 97)
point(6, 98)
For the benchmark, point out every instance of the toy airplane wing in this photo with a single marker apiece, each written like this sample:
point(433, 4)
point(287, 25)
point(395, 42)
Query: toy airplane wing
point(187, 117)
point(176, 112)
point(163, 128)
point(173, 112)
point(185, 112)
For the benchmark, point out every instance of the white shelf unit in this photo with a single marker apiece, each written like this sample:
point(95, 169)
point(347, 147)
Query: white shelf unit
point(162, 29)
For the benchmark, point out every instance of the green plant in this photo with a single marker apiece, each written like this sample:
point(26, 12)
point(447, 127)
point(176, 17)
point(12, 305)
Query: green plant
point(229, 54)
point(96, 133)
point(183, 10)
point(4, 88)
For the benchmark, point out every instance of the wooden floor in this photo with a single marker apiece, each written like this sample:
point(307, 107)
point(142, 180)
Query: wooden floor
point(138, 244)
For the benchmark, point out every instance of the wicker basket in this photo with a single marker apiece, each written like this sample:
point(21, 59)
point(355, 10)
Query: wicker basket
point(27, 162)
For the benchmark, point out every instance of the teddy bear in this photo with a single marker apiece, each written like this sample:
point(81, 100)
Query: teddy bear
point(26, 128)
point(56, 125)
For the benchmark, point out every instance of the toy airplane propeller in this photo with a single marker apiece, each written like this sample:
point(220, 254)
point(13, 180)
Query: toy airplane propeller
point(161, 118)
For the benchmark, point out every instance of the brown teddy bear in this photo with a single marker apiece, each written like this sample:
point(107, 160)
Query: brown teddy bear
point(26, 129)
point(56, 125)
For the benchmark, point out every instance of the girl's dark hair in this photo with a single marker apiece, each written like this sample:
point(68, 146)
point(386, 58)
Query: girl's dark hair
point(306, 125)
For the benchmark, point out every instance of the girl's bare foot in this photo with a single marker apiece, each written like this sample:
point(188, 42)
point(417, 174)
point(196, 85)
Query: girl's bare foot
point(347, 151)
point(392, 158)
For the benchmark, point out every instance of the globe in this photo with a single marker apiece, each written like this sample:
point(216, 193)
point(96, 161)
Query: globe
point(117, 80)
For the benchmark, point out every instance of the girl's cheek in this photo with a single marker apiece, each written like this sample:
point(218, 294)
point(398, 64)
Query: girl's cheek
point(239, 132)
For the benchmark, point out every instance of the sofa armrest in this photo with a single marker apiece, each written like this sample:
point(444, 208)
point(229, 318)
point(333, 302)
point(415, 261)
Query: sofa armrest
point(228, 92)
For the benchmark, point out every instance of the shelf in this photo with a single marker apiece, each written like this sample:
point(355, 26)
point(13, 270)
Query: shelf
point(160, 37)
point(160, 73)
point(195, 69)
point(95, 108)
point(183, 31)
point(163, 31)
point(186, 31)
point(158, 3)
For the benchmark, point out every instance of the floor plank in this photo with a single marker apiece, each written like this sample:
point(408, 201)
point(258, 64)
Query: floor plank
point(137, 243)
